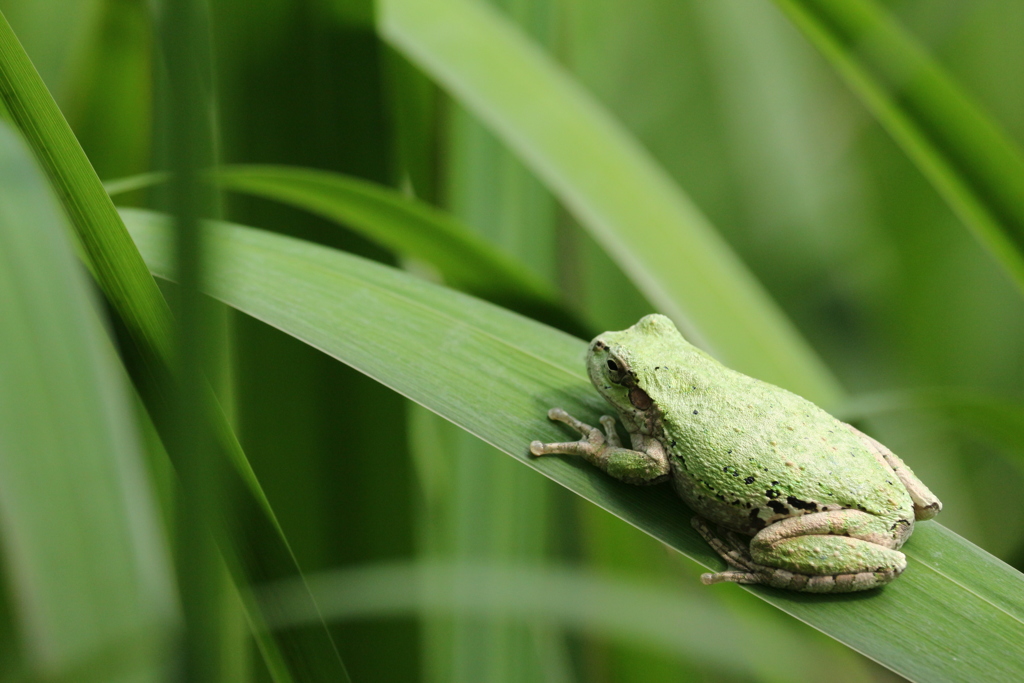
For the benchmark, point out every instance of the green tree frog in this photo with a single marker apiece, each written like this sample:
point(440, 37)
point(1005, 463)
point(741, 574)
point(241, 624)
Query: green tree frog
point(788, 495)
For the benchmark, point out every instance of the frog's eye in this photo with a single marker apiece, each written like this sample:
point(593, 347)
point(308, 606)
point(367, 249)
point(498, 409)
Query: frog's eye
point(613, 366)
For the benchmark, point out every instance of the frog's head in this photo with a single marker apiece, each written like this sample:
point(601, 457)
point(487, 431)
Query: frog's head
point(620, 363)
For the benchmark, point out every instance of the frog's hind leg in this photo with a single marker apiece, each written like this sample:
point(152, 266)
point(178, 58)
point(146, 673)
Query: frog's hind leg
point(826, 552)
point(926, 504)
point(810, 553)
point(734, 553)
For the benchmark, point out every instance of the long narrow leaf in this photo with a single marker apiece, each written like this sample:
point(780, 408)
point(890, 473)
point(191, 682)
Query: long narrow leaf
point(85, 557)
point(661, 615)
point(132, 293)
point(402, 224)
point(612, 185)
point(135, 182)
point(115, 263)
point(406, 226)
point(977, 169)
point(495, 374)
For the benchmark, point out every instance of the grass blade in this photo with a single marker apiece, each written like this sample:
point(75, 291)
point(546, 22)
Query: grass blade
point(108, 251)
point(406, 226)
point(397, 222)
point(616, 190)
point(134, 182)
point(976, 168)
point(660, 616)
point(184, 40)
point(497, 376)
point(85, 556)
point(111, 257)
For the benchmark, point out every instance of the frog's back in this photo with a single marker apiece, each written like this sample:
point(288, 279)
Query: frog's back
point(747, 453)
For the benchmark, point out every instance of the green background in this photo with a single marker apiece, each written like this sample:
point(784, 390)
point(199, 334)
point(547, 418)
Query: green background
point(868, 200)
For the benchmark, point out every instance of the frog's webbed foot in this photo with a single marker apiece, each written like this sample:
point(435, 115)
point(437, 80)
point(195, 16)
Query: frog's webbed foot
point(603, 449)
point(735, 554)
point(825, 552)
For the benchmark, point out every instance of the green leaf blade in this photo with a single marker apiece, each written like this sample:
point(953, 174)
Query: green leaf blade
point(115, 263)
point(977, 169)
point(654, 231)
point(495, 374)
point(121, 274)
point(404, 225)
point(662, 616)
point(85, 553)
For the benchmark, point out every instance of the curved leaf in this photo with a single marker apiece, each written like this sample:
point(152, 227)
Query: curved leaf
point(661, 616)
point(108, 252)
point(977, 169)
point(402, 224)
point(610, 183)
point(86, 560)
point(406, 226)
point(495, 374)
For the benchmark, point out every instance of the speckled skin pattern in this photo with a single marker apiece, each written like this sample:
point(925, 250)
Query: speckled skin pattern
point(800, 500)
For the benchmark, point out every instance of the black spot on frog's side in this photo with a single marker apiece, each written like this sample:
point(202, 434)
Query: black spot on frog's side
point(801, 504)
point(778, 507)
point(772, 493)
point(749, 480)
point(755, 518)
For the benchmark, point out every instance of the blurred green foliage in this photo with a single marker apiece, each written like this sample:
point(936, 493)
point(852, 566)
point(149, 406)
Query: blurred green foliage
point(736, 107)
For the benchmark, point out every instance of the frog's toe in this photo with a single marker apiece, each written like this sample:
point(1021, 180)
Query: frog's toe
point(735, 556)
point(559, 415)
point(730, 576)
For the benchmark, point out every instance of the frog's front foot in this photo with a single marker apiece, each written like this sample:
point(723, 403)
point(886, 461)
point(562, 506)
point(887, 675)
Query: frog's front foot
point(593, 443)
point(603, 449)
